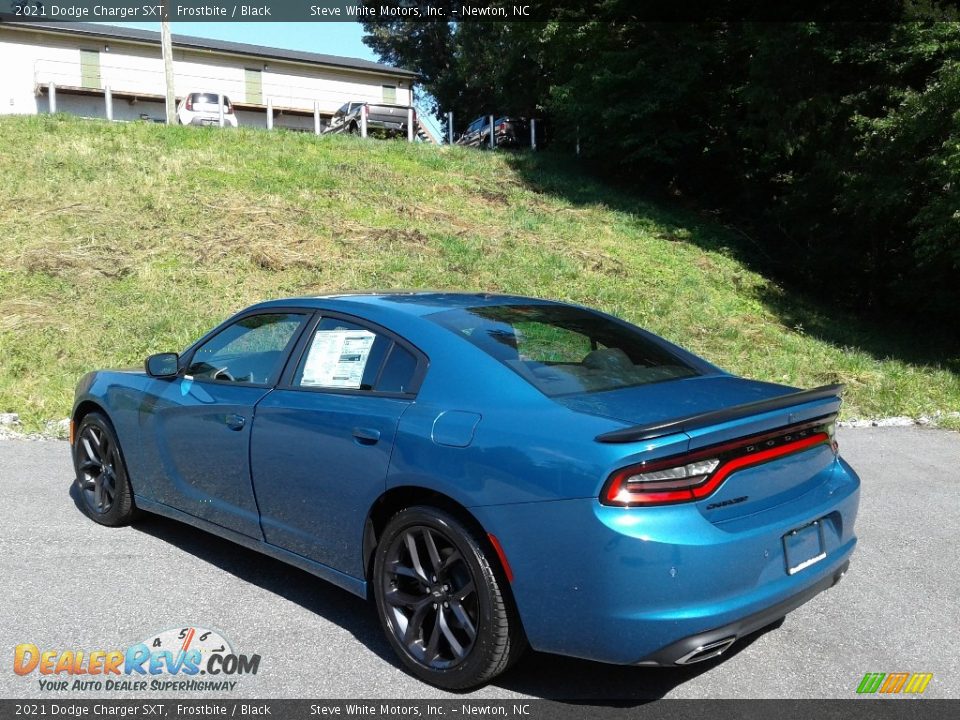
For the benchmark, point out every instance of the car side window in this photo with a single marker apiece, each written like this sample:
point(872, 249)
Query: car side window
point(398, 371)
point(343, 355)
point(250, 350)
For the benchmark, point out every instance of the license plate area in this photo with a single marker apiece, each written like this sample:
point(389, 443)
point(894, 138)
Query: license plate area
point(804, 547)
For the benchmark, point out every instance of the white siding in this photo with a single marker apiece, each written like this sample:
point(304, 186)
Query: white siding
point(31, 58)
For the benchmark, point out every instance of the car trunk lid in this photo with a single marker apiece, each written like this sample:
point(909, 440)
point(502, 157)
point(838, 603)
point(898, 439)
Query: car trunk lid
point(765, 444)
point(664, 401)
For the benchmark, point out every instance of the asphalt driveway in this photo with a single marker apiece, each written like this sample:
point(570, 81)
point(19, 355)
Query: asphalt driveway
point(71, 584)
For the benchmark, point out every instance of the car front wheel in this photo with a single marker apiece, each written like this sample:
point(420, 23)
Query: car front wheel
point(102, 482)
point(442, 602)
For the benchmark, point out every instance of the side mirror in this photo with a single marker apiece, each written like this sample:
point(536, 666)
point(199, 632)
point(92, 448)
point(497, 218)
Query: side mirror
point(162, 365)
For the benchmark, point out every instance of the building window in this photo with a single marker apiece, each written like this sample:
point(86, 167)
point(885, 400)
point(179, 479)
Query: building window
point(390, 94)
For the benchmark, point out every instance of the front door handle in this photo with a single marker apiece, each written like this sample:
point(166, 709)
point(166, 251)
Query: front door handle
point(366, 436)
point(235, 422)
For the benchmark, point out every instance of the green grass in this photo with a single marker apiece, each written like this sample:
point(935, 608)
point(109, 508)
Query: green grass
point(121, 240)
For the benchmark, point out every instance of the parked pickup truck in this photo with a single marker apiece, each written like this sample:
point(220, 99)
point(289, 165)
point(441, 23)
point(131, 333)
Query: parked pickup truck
point(382, 119)
point(509, 132)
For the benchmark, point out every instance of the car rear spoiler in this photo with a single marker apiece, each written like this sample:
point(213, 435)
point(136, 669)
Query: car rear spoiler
point(699, 420)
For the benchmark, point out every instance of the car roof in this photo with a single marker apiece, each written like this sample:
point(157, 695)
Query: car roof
point(405, 302)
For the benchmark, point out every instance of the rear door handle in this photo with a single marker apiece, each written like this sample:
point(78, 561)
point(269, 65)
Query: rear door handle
point(235, 422)
point(366, 436)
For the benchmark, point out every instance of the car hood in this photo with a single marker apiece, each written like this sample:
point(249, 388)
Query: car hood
point(662, 401)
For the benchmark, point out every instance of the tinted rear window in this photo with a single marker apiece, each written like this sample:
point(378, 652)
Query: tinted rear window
point(208, 99)
point(397, 374)
point(563, 350)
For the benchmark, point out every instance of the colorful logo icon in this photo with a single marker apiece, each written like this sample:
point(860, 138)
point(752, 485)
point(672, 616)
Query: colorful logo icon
point(894, 683)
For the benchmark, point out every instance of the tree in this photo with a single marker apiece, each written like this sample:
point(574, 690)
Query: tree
point(836, 144)
point(471, 68)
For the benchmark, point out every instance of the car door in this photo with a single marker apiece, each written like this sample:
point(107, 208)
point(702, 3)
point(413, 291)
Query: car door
point(467, 137)
point(473, 132)
point(337, 119)
point(197, 424)
point(322, 440)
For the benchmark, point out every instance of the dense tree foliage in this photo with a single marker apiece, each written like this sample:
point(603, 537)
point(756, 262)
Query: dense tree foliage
point(836, 145)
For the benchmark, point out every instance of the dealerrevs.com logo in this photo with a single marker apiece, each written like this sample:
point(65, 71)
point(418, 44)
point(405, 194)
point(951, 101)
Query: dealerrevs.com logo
point(180, 660)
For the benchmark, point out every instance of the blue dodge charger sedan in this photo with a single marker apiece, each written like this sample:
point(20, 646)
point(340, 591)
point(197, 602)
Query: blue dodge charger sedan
point(493, 471)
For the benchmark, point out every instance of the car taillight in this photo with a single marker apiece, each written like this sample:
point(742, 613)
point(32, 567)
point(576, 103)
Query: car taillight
point(189, 104)
point(693, 476)
point(502, 127)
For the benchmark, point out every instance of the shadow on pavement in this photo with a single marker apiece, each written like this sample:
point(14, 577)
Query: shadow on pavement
point(309, 592)
point(538, 674)
point(591, 683)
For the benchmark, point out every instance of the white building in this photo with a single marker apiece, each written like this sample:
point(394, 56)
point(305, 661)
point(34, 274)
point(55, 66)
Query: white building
point(82, 61)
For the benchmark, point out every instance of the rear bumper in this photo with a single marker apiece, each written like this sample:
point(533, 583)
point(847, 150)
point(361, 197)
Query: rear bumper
point(512, 140)
point(207, 121)
point(711, 644)
point(651, 585)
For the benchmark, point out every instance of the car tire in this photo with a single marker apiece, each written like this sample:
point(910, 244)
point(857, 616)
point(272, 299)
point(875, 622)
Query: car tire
point(101, 473)
point(442, 601)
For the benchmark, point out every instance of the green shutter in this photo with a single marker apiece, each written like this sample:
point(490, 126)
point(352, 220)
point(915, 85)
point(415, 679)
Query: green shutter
point(390, 94)
point(90, 69)
point(254, 83)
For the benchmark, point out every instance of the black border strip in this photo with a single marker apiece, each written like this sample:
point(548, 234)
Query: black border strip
point(862, 707)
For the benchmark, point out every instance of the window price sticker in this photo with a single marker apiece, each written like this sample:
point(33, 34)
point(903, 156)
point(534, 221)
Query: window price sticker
point(337, 358)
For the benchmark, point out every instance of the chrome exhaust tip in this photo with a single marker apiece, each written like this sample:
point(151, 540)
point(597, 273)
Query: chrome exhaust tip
point(705, 652)
point(841, 573)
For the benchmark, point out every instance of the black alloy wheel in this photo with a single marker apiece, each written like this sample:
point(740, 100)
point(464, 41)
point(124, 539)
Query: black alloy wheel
point(441, 602)
point(101, 474)
point(432, 598)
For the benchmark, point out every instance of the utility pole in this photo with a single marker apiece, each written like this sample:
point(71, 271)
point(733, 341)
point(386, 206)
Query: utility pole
point(166, 44)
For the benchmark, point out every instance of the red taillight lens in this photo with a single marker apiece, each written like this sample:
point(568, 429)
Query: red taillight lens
point(502, 127)
point(657, 483)
point(189, 104)
point(693, 476)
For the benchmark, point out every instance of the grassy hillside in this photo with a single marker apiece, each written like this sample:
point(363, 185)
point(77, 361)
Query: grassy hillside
point(121, 240)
